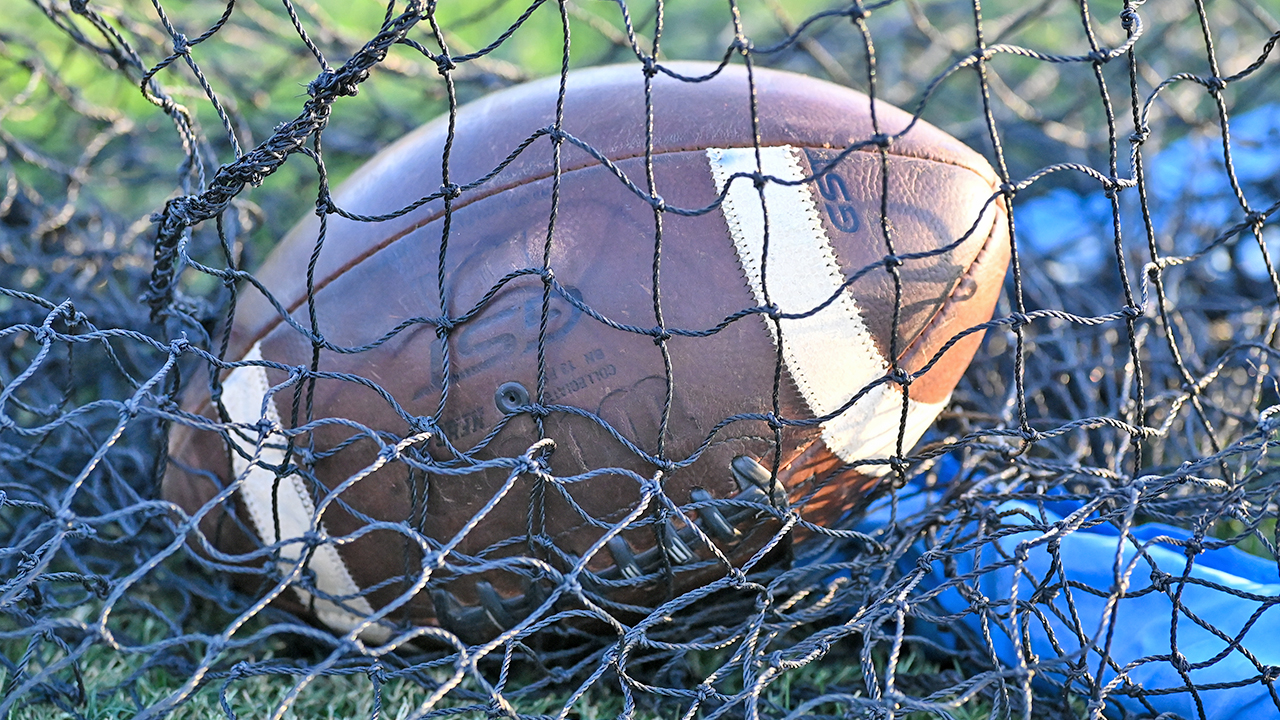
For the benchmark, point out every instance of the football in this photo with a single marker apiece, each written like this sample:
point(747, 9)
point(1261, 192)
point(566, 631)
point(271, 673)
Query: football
point(516, 339)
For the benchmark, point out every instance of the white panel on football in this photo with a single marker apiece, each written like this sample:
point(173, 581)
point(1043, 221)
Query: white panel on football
point(831, 354)
point(243, 393)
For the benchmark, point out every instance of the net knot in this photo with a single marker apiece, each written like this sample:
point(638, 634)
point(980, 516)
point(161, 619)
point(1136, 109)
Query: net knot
point(900, 376)
point(27, 563)
point(928, 558)
point(79, 6)
point(97, 585)
point(1099, 56)
point(129, 408)
point(528, 464)
point(1140, 135)
point(658, 203)
point(892, 261)
point(882, 140)
point(660, 335)
point(741, 45)
point(1129, 18)
point(1160, 580)
point(856, 12)
point(425, 424)
point(242, 669)
point(264, 426)
point(389, 453)
point(1021, 553)
point(450, 191)
point(758, 179)
point(444, 326)
point(43, 335)
point(1270, 673)
point(1179, 661)
point(1215, 84)
point(377, 674)
point(181, 45)
point(1008, 189)
point(444, 63)
point(1255, 218)
point(329, 83)
point(650, 66)
point(572, 587)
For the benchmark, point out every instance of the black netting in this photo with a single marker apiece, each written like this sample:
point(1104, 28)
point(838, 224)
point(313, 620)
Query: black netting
point(1089, 529)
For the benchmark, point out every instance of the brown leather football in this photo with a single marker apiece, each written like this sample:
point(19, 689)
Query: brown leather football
point(431, 506)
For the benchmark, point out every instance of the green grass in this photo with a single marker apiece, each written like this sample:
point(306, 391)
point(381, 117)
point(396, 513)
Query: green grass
point(111, 694)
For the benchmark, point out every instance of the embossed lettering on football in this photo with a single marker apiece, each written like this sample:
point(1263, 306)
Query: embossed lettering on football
point(429, 535)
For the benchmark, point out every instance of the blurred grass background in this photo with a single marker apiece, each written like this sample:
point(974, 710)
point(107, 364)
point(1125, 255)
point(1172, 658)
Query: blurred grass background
point(259, 69)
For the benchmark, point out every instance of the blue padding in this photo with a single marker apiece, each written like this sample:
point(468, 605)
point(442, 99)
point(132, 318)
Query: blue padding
point(1250, 586)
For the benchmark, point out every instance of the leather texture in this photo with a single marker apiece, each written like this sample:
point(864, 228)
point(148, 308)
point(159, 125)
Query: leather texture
point(373, 277)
